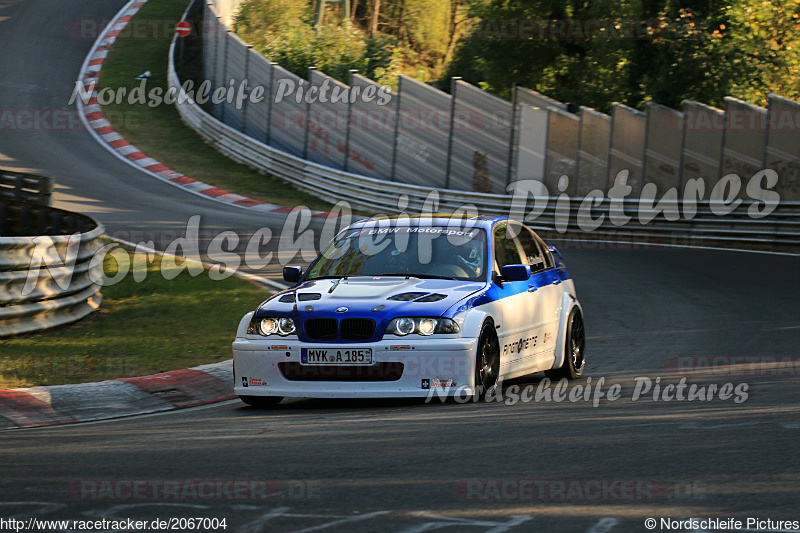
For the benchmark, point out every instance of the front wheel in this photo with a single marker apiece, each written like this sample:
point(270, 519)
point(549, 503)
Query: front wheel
point(487, 362)
point(261, 401)
point(574, 346)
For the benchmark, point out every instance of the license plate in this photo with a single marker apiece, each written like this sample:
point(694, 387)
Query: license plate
point(336, 356)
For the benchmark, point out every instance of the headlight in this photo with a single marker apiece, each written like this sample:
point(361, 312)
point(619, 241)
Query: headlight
point(404, 326)
point(271, 325)
point(286, 326)
point(445, 325)
point(268, 326)
point(426, 326)
point(422, 326)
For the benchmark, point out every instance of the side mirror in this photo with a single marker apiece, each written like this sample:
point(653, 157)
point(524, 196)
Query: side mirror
point(292, 274)
point(554, 250)
point(516, 272)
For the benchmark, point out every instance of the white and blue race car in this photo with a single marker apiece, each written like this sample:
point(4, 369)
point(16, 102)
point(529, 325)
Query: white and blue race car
point(407, 307)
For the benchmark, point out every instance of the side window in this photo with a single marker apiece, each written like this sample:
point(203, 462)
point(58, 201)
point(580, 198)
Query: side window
point(505, 248)
point(548, 257)
point(533, 253)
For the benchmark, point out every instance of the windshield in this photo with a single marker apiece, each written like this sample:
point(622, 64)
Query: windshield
point(423, 252)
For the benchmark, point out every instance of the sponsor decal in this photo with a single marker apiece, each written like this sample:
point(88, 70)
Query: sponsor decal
point(547, 337)
point(436, 383)
point(435, 231)
point(256, 382)
point(244, 381)
point(279, 347)
point(397, 347)
point(519, 345)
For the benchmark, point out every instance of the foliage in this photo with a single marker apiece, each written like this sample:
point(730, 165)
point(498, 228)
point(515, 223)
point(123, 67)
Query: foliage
point(415, 37)
point(746, 50)
point(764, 46)
point(426, 23)
point(333, 50)
point(696, 49)
point(269, 15)
point(589, 53)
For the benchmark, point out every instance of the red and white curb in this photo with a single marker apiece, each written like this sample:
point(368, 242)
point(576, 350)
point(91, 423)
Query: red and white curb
point(92, 116)
point(84, 402)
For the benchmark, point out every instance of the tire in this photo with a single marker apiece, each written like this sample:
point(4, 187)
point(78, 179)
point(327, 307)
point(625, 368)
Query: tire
point(261, 401)
point(574, 349)
point(487, 361)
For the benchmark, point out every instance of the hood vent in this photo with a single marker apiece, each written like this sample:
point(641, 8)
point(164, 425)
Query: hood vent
point(432, 298)
point(307, 296)
point(407, 296)
point(287, 298)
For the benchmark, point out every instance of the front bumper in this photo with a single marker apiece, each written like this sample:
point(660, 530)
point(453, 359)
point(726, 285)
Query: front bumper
point(444, 366)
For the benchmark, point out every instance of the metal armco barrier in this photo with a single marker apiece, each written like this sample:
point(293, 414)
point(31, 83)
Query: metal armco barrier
point(25, 187)
point(47, 276)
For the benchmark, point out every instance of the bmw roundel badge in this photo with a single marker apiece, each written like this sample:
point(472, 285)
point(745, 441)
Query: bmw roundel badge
point(342, 309)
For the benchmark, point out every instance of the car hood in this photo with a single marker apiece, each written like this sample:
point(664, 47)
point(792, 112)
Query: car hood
point(364, 295)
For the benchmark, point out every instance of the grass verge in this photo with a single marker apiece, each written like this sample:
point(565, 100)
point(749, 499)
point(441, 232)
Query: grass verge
point(142, 328)
point(158, 131)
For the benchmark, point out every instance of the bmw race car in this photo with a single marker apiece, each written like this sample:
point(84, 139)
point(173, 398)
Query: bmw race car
point(407, 307)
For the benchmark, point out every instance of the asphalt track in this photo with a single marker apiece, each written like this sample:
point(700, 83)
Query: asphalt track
point(712, 317)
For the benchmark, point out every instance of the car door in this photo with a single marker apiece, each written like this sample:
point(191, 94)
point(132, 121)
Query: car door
point(517, 304)
point(546, 290)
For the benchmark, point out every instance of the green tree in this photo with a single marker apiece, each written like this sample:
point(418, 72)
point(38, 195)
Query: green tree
point(259, 17)
point(693, 49)
point(763, 44)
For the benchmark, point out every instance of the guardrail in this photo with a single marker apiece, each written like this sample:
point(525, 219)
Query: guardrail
point(25, 187)
point(47, 276)
point(781, 229)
